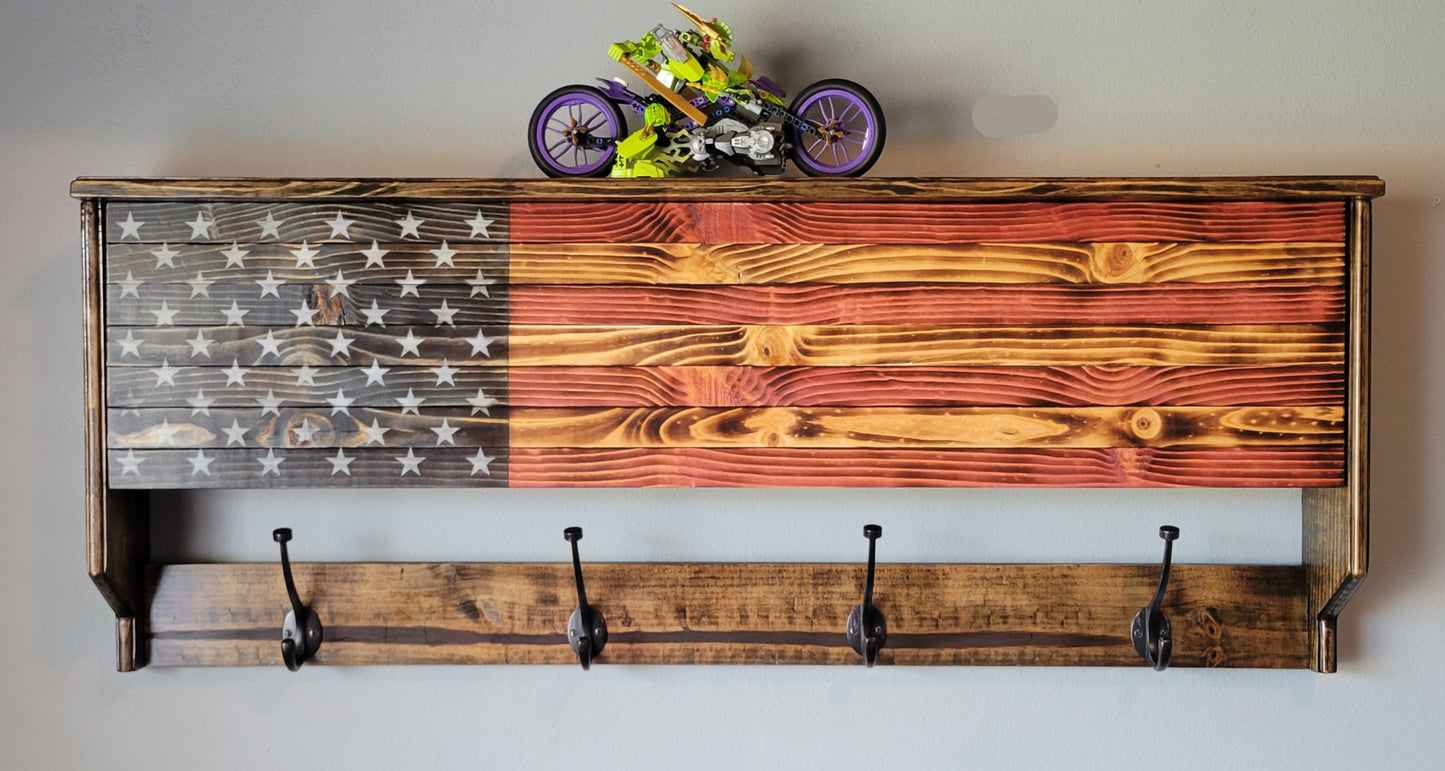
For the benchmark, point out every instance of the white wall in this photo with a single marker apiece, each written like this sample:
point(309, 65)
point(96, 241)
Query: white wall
point(444, 89)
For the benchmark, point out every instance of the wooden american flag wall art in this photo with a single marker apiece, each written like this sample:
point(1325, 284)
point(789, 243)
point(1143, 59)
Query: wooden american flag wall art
point(1102, 333)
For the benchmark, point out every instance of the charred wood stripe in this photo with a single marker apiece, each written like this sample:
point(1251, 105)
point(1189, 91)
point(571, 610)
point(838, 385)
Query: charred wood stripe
point(1005, 467)
point(867, 262)
point(929, 304)
point(826, 428)
point(885, 345)
point(926, 222)
point(170, 221)
point(306, 468)
point(919, 386)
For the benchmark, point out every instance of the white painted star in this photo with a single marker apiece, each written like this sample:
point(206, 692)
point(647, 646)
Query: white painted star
point(410, 402)
point(481, 462)
point(130, 286)
point(445, 373)
point(200, 464)
point(270, 403)
point(339, 285)
point(340, 464)
point(269, 284)
point(165, 256)
point(270, 464)
point(271, 345)
point(411, 462)
point(409, 285)
point(199, 285)
point(235, 255)
point(410, 225)
point(376, 373)
point(444, 255)
point(305, 256)
point(480, 284)
point(129, 463)
point(307, 432)
point(374, 255)
point(235, 434)
point(444, 313)
point(341, 226)
point(479, 225)
point(165, 317)
point(235, 375)
point(410, 343)
point(444, 433)
point(166, 433)
point(481, 344)
point(482, 403)
point(305, 314)
point(375, 314)
point(375, 434)
point(166, 374)
point(130, 228)
point(235, 315)
point(200, 404)
point(340, 403)
point(305, 375)
point(200, 344)
point(270, 226)
point(200, 226)
point(341, 344)
point(130, 345)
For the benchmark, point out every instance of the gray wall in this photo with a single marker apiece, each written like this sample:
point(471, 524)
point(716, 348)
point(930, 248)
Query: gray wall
point(444, 88)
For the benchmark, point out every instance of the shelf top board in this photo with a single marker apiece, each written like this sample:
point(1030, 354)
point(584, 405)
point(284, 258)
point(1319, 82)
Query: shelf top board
point(791, 189)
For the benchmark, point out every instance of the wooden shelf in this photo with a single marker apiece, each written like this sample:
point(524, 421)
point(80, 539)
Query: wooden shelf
point(257, 333)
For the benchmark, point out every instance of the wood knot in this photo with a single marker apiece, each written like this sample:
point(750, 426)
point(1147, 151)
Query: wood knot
point(1146, 424)
point(1116, 262)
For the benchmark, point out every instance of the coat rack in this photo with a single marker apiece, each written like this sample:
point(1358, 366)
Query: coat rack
point(251, 333)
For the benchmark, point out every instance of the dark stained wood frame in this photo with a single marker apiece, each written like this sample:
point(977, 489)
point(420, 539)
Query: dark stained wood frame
point(1233, 615)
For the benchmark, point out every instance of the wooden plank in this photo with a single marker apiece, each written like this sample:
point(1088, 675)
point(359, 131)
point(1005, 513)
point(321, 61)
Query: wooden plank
point(927, 304)
point(225, 221)
point(296, 468)
point(880, 345)
point(893, 386)
point(1222, 615)
point(870, 262)
point(904, 427)
point(1053, 467)
point(311, 346)
point(141, 307)
point(743, 189)
point(448, 386)
point(827, 222)
point(381, 262)
point(427, 426)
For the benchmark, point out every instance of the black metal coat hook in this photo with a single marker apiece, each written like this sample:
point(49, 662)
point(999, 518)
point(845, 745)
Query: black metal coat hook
point(586, 629)
point(867, 629)
point(301, 631)
point(1150, 629)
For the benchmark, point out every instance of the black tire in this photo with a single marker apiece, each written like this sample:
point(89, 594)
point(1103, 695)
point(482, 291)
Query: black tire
point(812, 158)
point(556, 118)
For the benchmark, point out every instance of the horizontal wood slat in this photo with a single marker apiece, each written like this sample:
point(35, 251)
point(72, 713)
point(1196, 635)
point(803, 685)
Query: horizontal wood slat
point(134, 387)
point(230, 615)
point(226, 221)
point(376, 262)
point(310, 346)
point(825, 222)
point(422, 466)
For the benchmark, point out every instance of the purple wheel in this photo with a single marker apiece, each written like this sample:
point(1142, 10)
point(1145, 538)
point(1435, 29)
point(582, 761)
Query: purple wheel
point(564, 126)
point(850, 126)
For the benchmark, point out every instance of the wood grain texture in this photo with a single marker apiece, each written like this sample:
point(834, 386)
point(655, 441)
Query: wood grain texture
point(869, 262)
point(924, 305)
point(132, 387)
point(1223, 616)
point(886, 345)
point(170, 221)
point(236, 468)
point(827, 222)
point(305, 427)
point(1055, 467)
point(311, 346)
point(138, 260)
point(332, 307)
point(907, 427)
point(744, 189)
point(727, 386)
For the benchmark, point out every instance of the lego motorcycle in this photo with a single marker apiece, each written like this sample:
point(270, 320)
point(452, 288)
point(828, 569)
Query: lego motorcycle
point(701, 113)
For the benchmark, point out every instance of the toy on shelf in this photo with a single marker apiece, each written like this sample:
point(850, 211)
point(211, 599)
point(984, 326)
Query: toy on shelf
point(707, 106)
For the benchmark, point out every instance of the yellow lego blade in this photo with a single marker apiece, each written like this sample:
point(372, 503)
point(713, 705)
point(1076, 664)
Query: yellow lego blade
point(702, 26)
point(672, 97)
